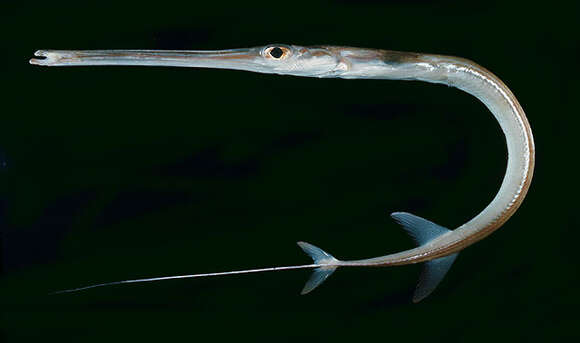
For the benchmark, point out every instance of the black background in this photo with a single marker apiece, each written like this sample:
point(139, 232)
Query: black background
point(112, 173)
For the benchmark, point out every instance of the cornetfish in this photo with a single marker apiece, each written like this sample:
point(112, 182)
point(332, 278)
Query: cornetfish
point(437, 246)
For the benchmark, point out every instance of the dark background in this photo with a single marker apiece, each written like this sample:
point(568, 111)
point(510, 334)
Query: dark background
point(112, 173)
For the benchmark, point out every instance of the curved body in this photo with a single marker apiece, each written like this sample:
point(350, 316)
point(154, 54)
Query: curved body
point(490, 90)
point(438, 246)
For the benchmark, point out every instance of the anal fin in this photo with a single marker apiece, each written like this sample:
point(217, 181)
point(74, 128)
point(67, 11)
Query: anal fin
point(423, 231)
point(432, 274)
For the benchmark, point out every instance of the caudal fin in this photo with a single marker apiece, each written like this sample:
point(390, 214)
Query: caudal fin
point(424, 231)
point(319, 274)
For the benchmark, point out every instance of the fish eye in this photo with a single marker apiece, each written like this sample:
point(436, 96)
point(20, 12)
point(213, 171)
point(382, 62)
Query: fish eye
point(276, 52)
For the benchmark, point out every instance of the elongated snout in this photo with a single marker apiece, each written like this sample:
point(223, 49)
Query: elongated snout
point(241, 59)
point(271, 59)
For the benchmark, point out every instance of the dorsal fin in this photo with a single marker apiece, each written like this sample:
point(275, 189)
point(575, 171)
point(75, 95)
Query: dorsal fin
point(423, 231)
point(319, 274)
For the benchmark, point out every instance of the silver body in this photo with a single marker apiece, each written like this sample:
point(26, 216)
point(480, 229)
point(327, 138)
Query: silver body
point(357, 63)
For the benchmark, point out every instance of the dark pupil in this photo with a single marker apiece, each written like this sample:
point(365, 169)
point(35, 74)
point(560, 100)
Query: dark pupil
point(276, 52)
